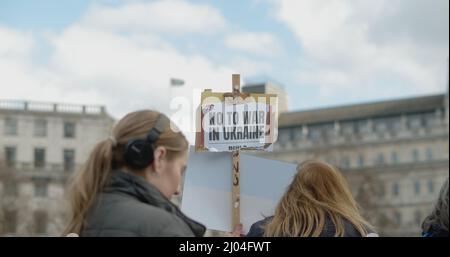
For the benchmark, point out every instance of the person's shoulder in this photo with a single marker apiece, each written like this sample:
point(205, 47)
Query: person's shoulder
point(156, 221)
point(124, 213)
point(435, 231)
point(124, 205)
point(146, 212)
point(329, 229)
point(351, 231)
point(257, 228)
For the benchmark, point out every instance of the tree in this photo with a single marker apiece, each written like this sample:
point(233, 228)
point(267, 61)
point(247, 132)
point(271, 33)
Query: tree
point(369, 191)
point(12, 201)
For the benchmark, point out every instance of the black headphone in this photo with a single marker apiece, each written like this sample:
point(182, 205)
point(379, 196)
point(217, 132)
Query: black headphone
point(138, 153)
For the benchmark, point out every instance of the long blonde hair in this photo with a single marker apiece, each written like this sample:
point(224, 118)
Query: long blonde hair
point(318, 191)
point(89, 181)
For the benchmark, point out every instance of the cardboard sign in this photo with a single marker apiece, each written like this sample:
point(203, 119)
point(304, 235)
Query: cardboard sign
point(248, 122)
point(208, 186)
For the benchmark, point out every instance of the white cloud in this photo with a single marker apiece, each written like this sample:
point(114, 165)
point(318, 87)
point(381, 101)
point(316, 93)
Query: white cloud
point(17, 74)
point(250, 67)
point(168, 17)
point(263, 44)
point(91, 64)
point(14, 44)
point(128, 73)
point(352, 45)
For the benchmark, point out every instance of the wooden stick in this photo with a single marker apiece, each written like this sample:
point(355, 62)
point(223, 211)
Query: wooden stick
point(236, 201)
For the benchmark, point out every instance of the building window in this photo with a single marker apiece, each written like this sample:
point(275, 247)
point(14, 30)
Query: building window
point(10, 223)
point(380, 125)
point(359, 126)
point(381, 190)
point(361, 160)
point(380, 159)
point(40, 222)
point(330, 160)
point(10, 156)
point(39, 157)
point(429, 154)
point(283, 137)
point(40, 188)
point(348, 128)
point(430, 186)
point(69, 129)
point(396, 189)
point(394, 158)
point(40, 128)
point(298, 133)
point(315, 134)
point(417, 187)
point(345, 162)
point(397, 218)
point(10, 126)
point(416, 121)
point(10, 188)
point(320, 132)
point(69, 159)
point(415, 155)
point(430, 119)
point(291, 134)
point(418, 217)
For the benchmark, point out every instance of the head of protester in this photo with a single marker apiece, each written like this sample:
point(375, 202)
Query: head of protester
point(125, 187)
point(317, 203)
point(436, 224)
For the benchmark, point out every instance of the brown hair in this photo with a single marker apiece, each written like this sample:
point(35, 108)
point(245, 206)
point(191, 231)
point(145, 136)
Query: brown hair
point(317, 191)
point(438, 219)
point(90, 180)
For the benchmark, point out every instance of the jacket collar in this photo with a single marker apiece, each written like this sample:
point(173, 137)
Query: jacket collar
point(137, 187)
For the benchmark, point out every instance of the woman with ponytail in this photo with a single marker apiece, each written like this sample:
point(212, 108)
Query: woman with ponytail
point(125, 187)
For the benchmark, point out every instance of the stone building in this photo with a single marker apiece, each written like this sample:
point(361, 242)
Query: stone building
point(270, 88)
point(393, 153)
point(41, 144)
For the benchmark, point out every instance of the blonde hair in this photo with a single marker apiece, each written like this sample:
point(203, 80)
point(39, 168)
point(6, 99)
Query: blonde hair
point(318, 191)
point(89, 181)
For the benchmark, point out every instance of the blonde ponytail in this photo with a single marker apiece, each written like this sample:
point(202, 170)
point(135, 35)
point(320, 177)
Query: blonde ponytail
point(87, 183)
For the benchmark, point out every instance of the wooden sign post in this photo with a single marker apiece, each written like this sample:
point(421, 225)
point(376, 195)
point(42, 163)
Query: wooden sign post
point(236, 217)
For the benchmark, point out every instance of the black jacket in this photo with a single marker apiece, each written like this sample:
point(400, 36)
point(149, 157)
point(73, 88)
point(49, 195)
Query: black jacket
point(434, 230)
point(130, 206)
point(257, 229)
point(436, 224)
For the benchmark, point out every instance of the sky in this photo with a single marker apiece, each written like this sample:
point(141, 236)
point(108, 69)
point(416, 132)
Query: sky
point(122, 54)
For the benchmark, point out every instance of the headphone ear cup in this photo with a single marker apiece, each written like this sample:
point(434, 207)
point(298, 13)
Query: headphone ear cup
point(138, 154)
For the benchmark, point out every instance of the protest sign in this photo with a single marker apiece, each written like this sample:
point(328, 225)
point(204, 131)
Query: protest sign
point(230, 122)
point(246, 122)
point(208, 187)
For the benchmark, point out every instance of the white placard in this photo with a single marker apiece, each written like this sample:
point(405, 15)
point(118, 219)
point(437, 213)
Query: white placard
point(207, 188)
point(233, 127)
point(228, 124)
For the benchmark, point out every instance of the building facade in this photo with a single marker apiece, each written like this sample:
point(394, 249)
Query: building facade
point(393, 153)
point(270, 88)
point(41, 144)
